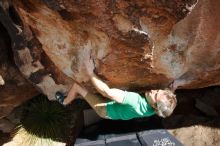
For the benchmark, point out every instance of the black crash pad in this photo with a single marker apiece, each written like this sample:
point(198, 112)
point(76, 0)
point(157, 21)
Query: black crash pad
point(158, 137)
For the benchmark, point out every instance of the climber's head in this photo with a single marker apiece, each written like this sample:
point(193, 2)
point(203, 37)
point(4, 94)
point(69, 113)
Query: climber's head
point(163, 101)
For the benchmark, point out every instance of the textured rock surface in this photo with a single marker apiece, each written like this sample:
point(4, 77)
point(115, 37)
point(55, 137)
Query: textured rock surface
point(198, 36)
point(15, 89)
point(135, 44)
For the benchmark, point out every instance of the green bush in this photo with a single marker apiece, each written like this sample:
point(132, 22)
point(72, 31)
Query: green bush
point(45, 121)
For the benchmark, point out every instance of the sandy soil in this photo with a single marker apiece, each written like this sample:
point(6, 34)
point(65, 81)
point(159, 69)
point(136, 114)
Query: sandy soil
point(192, 126)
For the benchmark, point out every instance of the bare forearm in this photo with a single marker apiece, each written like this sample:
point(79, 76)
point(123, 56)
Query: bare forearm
point(114, 94)
point(99, 84)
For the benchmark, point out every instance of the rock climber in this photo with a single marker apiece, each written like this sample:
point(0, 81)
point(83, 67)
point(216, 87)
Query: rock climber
point(120, 104)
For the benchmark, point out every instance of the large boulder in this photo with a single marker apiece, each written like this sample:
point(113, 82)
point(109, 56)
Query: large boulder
point(135, 44)
point(14, 88)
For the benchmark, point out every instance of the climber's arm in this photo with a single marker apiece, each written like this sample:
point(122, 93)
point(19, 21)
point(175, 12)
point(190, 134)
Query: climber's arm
point(114, 94)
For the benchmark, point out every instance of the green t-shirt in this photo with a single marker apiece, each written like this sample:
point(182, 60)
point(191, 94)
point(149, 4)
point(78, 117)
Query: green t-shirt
point(133, 106)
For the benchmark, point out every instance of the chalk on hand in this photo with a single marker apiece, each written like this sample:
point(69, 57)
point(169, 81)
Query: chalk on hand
point(2, 82)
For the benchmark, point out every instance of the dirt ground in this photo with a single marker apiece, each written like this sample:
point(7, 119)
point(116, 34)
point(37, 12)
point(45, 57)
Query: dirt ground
point(192, 126)
point(199, 135)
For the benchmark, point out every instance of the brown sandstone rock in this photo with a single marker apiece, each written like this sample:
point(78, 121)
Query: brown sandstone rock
point(135, 44)
point(14, 88)
point(127, 37)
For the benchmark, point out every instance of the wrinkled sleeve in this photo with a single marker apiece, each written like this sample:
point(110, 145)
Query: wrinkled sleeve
point(131, 98)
